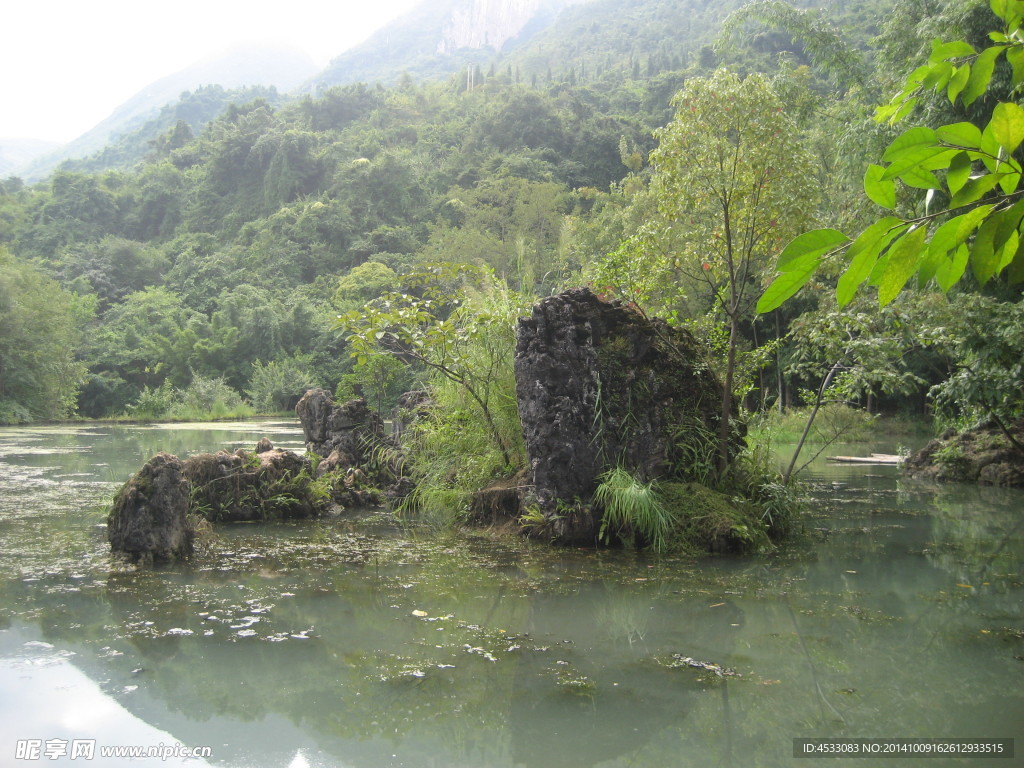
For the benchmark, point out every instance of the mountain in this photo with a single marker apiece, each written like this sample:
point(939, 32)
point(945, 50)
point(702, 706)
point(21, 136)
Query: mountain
point(439, 37)
point(248, 65)
point(17, 153)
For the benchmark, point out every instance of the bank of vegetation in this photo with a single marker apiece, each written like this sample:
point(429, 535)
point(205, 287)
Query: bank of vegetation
point(206, 273)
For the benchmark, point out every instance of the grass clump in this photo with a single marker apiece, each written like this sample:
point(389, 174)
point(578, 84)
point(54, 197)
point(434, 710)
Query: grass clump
point(686, 516)
point(632, 510)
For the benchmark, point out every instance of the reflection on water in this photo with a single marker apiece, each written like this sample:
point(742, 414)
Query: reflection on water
point(340, 643)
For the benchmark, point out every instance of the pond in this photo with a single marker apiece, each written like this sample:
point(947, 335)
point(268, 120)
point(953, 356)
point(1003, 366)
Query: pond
point(361, 643)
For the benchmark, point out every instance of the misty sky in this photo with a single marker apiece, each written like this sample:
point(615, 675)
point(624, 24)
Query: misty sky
point(67, 64)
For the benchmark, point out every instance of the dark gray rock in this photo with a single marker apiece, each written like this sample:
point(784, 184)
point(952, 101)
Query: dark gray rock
point(149, 519)
point(241, 486)
point(600, 385)
point(352, 428)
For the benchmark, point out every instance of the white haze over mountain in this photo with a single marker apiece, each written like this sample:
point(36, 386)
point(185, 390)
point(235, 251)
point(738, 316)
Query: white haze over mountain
point(70, 64)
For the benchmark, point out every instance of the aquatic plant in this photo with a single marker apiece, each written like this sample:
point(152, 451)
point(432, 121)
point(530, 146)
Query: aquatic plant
point(631, 509)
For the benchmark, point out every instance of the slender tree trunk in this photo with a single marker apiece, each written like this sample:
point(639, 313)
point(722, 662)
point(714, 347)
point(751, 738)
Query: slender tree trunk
point(725, 417)
point(778, 366)
point(810, 421)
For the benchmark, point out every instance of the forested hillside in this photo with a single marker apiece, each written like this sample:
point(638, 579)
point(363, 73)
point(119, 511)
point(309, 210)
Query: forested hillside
point(207, 266)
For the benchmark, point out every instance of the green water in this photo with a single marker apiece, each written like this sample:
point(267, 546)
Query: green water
point(347, 643)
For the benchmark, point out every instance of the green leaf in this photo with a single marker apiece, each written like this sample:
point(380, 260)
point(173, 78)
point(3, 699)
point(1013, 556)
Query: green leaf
point(956, 231)
point(951, 269)
point(939, 76)
point(981, 74)
point(1007, 126)
point(863, 255)
point(1009, 181)
point(959, 172)
point(958, 81)
point(920, 178)
point(988, 256)
point(903, 111)
point(904, 257)
point(921, 159)
point(951, 50)
point(1015, 55)
point(930, 263)
point(880, 191)
point(910, 141)
point(974, 190)
point(786, 285)
point(813, 243)
point(1015, 270)
point(1009, 11)
point(966, 135)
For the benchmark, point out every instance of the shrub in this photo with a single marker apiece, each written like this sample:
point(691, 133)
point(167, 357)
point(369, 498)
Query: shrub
point(276, 386)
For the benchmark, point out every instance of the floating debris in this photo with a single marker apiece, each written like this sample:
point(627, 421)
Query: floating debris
point(678, 660)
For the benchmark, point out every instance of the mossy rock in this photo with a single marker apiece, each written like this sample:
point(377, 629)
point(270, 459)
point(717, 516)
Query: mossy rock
point(982, 455)
point(709, 521)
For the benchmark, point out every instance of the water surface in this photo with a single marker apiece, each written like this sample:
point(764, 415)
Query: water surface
point(360, 643)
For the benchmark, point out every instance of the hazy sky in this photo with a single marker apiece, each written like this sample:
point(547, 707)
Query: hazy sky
point(67, 64)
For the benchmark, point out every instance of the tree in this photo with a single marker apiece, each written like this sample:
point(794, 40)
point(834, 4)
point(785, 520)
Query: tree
point(147, 339)
point(39, 333)
point(970, 203)
point(732, 184)
point(465, 344)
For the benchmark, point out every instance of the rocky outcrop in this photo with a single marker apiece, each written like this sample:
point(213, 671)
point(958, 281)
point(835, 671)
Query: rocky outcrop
point(981, 455)
point(487, 23)
point(599, 385)
point(149, 519)
point(155, 513)
point(352, 428)
point(264, 485)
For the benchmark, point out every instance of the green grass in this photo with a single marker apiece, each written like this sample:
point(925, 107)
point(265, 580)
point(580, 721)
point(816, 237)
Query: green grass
point(835, 423)
point(632, 509)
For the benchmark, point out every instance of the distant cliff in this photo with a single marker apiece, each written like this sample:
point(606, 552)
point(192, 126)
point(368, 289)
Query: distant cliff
point(487, 23)
point(439, 37)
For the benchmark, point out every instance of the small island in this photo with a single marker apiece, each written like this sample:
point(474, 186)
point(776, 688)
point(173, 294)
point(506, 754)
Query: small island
point(619, 428)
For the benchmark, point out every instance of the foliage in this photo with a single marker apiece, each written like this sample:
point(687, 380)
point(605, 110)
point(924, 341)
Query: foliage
point(971, 216)
point(868, 347)
point(39, 330)
point(731, 174)
point(709, 521)
point(632, 510)
point(468, 344)
point(835, 421)
point(987, 349)
point(203, 399)
point(820, 41)
point(471, 433)
point(276, 386)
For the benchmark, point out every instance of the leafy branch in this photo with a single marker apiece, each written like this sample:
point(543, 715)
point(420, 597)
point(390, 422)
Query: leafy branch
point(981, 180)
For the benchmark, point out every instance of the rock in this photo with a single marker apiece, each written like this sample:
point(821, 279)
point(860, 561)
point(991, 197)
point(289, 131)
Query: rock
point(336, 461)
point(149, 519)
point(351, 428)
point(599, 385)
point(982, 455)
point(411, 406)
point(239, 487)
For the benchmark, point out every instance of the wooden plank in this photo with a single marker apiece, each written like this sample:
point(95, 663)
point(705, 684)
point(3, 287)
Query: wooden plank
point(874, 458)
